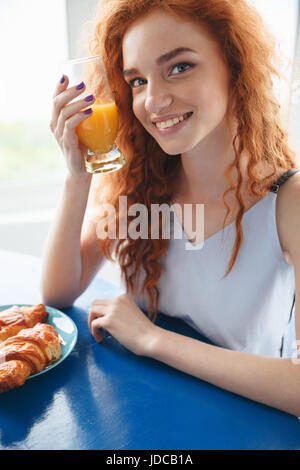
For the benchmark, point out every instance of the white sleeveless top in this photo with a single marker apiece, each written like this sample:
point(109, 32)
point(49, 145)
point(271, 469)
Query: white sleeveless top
point(250, 309)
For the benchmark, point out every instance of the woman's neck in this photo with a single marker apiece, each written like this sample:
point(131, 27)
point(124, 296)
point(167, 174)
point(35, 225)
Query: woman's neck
point(203, 168)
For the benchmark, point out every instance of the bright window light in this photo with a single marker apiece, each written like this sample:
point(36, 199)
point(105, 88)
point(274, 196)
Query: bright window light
point(34, 41)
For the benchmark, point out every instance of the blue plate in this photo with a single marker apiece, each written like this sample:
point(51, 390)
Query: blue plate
point(65, 328)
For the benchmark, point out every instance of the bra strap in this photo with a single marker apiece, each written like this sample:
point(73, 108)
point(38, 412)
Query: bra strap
point(275, 186)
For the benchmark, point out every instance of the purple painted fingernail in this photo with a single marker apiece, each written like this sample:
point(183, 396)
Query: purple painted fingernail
point(80, 86)
point(88, 111)
point(62, 79)
point(89, 98)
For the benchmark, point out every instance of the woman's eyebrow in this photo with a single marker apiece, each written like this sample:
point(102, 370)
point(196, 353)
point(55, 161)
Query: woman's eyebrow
point(162, 59)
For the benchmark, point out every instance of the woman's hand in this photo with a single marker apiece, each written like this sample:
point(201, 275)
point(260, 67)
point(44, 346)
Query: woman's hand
point(122, 318)
point(65, 118)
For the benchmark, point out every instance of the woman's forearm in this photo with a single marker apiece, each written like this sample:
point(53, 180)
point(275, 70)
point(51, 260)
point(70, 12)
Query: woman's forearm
point(61, 257)
point(272, 381)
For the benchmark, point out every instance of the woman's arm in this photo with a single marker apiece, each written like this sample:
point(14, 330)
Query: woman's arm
point(71, 254)
point(272, 381)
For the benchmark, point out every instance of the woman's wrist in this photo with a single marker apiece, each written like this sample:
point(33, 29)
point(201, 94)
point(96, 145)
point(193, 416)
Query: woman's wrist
point(83, 178)
point(153, 344)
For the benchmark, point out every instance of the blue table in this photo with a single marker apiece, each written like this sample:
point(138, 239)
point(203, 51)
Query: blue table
point(104, 397)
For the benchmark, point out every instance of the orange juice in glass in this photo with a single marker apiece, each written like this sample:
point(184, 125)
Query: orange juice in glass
point(98, 132)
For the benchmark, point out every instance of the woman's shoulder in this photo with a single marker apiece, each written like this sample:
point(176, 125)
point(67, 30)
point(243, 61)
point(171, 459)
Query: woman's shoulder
point(288, 215)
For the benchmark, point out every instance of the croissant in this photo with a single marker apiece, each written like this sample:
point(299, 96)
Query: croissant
point(16, 319)
point(26, 353)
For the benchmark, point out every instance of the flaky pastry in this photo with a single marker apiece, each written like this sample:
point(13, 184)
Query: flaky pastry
point(15, 319)
point(26, 353)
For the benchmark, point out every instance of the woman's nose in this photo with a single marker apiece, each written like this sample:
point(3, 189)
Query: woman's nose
point(158, 98)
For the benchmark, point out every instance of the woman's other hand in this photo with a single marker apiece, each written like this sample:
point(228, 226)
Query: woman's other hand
point(122, 318)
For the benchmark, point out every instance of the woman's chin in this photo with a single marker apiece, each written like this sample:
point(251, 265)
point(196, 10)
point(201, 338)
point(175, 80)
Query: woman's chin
point(175, 150)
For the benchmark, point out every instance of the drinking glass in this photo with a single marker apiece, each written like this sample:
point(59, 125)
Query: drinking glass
point(99, 131)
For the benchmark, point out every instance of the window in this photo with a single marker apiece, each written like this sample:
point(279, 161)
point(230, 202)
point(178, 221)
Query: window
point(282, 18)
point(34, 36)
point(33, 42)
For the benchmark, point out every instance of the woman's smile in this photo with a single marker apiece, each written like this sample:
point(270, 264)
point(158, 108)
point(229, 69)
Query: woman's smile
point(169, 126)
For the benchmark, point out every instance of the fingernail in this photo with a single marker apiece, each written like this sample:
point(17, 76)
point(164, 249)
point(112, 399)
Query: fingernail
point(62, 79)
point(88, 111)
point(89, 98)
point(80, 86)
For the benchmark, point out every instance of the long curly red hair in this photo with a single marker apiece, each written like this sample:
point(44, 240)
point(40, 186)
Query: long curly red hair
point(150, 175)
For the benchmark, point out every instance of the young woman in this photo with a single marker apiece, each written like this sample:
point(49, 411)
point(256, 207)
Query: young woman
point(199, 124)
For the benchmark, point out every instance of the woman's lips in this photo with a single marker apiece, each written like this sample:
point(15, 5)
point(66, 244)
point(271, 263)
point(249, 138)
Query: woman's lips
point(175, 127)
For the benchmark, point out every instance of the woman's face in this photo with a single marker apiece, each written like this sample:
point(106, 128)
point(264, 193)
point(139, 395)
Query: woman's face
point(179, 81)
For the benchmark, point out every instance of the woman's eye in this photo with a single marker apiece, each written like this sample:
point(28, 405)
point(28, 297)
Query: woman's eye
point(135, 82)
point(182, 67)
